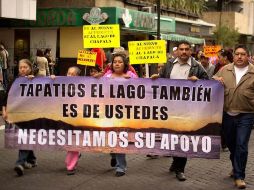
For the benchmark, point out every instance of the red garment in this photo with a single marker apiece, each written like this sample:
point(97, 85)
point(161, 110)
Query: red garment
point(100, 57)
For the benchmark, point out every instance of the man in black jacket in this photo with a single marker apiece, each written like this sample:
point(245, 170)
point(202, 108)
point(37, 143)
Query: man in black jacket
point(182, 67)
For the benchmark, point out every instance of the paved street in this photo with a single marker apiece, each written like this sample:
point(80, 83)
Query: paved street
point(94, 172)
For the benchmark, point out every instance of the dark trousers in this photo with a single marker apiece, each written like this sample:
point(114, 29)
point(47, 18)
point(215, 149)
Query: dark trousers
point(179, 164)
point(5, 78)
point(223, 141)
point(120, 161)
point(26, 156)
point(237, 130)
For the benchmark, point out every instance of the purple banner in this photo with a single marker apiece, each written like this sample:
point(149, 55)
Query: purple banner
point(164, 117)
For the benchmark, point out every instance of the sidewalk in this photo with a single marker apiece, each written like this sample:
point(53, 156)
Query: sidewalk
point(94, 172)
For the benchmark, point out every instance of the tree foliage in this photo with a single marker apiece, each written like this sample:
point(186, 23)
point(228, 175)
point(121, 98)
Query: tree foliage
point(191, 6)
point(225, 36)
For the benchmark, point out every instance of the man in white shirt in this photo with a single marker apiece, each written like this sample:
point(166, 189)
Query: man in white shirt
point(182, 67)
point(238, 116)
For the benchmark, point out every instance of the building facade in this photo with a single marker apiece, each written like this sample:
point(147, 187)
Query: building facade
point(236, 14)
point(59, 24)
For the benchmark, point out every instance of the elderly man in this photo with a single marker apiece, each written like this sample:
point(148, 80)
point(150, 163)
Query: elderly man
point(73, 71)
point(238, 116)
point(209, 67)
point(182, 67)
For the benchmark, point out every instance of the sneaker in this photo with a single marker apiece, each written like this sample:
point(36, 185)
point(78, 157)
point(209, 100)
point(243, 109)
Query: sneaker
point(71, 172)
point(180, 176)
point(240, 184)
point(119, 174)
point(34, 163)
point(27, 165)
point(19, 170)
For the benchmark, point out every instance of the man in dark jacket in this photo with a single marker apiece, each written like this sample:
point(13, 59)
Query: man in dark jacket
point(182, 67)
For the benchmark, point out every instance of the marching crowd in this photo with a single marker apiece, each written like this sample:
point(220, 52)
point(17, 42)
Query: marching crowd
point(234, 69)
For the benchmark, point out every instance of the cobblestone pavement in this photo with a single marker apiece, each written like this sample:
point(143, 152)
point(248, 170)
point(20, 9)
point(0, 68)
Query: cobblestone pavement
point(94, 172)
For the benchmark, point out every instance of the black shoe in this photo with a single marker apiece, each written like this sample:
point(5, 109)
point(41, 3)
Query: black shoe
point(71, 172)
point(180, 176)
point(113, 162)
point(119, 174)
point(19, 169)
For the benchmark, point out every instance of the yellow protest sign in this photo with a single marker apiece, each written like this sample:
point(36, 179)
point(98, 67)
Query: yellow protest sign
point(86, 58)
point(101, 36)
point(150, 51)
point(211, 51)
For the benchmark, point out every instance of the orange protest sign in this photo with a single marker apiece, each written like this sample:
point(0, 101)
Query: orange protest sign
point(211, 51)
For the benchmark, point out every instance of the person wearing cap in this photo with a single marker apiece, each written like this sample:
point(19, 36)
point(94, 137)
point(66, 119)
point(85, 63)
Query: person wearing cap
point(204, 60)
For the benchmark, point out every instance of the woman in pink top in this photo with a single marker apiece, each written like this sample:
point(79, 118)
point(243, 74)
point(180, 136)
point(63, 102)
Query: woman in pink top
point(119, 69)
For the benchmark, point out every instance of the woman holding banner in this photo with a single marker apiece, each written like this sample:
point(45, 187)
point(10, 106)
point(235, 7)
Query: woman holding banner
point(119, 69)
point(72, 157)
point(26, 158)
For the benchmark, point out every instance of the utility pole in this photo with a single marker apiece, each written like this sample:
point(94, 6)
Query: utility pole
point(153, 67)
point(220, 9)
point(158, 19)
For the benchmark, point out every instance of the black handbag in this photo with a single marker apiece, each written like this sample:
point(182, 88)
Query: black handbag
point(35, 67)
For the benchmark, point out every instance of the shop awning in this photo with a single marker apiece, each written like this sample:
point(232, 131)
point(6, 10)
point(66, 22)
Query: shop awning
point(178, 37)
point(151, 32)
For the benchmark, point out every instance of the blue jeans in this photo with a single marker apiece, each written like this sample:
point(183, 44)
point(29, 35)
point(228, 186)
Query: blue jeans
point(26, 156)
point(237, 130)
point(120, 161)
